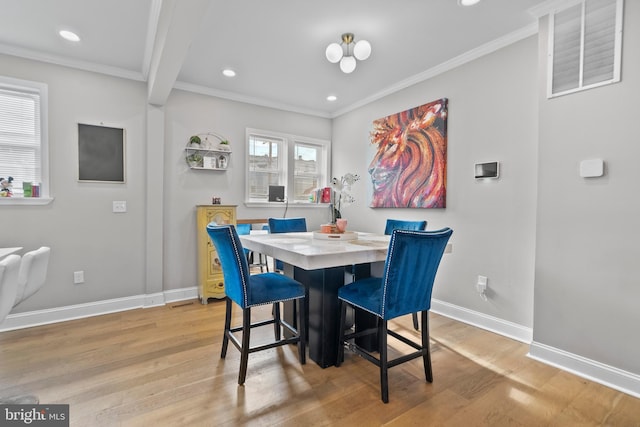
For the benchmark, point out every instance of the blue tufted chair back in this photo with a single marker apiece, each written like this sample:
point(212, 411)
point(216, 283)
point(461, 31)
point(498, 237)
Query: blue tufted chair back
point(398, 224)
point(243, 229)
point(410, 270)
point(234, 263)
point(287, 225)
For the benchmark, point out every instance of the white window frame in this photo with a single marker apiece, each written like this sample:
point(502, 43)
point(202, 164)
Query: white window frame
point(287, 169)
point(617, 52)
point(41, 89)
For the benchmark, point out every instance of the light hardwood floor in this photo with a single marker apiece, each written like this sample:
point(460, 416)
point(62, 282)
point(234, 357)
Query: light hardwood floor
point(161, 367)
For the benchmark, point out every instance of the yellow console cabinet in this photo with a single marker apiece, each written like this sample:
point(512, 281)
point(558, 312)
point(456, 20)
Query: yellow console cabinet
point(210, 278)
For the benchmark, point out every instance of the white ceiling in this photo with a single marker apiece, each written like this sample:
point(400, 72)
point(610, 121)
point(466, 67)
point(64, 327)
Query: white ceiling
point(276, 47)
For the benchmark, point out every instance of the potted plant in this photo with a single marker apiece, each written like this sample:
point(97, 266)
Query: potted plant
point(224, 145)
point(194, 160)
point(195, 141)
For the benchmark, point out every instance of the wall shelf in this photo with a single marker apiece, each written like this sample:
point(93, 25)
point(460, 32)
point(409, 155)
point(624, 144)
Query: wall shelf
point(210, 154)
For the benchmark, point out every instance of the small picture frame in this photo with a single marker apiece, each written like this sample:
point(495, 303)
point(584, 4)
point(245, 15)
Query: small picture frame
point(209, 162)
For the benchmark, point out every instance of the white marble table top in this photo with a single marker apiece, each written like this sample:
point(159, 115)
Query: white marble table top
point(302, 250)
point(7, 251)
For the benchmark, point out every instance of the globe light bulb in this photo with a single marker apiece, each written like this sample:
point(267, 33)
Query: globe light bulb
point(362, 50)
point(348, 64)
point(334, 53)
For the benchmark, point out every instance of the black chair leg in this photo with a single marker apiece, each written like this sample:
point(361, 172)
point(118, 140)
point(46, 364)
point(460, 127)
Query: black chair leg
point(276, 321)
point(415, 321)
point(341, 325)
point(244, 351)
point(426, 345)
point(302, 332)
point(384, 377)
point(227, 326)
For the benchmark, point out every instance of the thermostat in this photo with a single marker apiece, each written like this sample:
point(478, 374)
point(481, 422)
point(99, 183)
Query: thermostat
point(487, 170)
point(591, 168)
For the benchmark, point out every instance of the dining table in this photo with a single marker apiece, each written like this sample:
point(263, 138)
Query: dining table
point(323, 264)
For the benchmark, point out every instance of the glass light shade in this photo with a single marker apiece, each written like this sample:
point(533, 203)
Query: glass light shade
point(333, 53)
point(348, 64)
point(362, 50)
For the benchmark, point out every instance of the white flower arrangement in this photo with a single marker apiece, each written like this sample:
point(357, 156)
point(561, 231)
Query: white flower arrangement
point(341, 193)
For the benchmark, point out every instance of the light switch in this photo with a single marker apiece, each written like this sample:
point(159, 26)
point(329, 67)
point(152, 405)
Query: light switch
point(119, 206)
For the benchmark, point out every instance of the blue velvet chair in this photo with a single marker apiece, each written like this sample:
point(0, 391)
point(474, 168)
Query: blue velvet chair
point(245, 229)
point(399, 224)
point(249, 291)
point(405, 287)
point(285, 225)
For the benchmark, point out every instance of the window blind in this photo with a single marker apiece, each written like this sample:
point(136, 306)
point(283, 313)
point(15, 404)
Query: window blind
point(20, 139)
point(585, 45)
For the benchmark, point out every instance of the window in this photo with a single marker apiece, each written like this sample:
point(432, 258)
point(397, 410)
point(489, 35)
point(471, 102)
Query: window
point(23, 136)
point(299, 164)
point(585, 46)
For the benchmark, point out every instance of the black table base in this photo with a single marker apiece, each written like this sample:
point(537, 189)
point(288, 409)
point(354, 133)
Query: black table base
point(324, 311)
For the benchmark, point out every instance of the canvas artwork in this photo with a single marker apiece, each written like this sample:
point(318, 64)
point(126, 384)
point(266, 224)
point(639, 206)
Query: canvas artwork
point(409, 167)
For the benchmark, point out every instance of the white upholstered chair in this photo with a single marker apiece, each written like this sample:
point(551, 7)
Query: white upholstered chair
point(9, 269)
point(19, 279)
point(33, 272)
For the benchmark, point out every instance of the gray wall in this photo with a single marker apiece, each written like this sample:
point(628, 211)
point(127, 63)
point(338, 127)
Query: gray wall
point(111, 248)
point(587, 287)
point(79, 224)
point(492, 116)
point(187, 114)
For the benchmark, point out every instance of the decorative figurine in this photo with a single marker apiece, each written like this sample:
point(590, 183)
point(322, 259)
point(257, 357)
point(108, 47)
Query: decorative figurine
point(5, 186)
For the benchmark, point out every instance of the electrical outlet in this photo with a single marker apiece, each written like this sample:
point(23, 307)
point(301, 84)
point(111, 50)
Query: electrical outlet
point(78, 277)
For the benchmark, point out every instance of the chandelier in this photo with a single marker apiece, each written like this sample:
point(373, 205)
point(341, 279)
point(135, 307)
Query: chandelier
point(347, 54)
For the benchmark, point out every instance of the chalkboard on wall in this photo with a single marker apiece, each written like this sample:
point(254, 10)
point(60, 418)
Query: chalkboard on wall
point(100, 153)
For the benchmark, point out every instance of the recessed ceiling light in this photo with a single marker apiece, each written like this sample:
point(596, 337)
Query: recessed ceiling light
point(468, 2)
point(69, 35)
point(229, 72)
point(331, 98)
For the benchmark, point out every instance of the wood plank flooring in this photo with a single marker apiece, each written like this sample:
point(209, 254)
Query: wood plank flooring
point(161, 367)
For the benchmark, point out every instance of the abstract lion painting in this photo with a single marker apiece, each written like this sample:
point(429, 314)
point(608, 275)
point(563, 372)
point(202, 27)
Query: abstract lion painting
point(409, 168)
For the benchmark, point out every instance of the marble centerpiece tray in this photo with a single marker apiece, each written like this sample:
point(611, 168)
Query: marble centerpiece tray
point(347, 235)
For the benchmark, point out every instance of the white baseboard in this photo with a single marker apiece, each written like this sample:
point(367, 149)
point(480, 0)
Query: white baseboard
point(79, 311)
point(600, 373)
point(174, 295)
point(609, 376)
point(483, 321)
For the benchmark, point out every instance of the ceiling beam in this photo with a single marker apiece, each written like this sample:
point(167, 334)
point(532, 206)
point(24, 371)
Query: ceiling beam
point(178, 23)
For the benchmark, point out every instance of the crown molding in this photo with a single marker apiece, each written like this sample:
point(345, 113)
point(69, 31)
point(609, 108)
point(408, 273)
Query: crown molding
point(71, 63)
point(466, 57)
point(232, 96)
